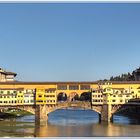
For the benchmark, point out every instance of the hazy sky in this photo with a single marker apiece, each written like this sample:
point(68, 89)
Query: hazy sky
point(69, 42)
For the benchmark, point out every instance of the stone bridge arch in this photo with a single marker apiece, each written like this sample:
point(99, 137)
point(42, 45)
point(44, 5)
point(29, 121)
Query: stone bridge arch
point(27, 108)
point(97, 109)
point(77, 104)
point(125, 107)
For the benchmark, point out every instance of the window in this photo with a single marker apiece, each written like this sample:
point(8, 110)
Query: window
point(26, 96)
point(26, 101)
point(40, 101)
point(32, 101)
point(73, 87)
point(121, 100)
point(1, 92)
point(113, 100)
point(114, 95)
point(119, 95)
point(40, 96)
point(85, 87)
point(62, 87)
point(8, 92)
point(95, 100)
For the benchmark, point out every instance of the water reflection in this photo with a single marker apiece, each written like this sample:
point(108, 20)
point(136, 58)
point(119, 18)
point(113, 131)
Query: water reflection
point(73, 117)
point(120, 119)
point(70, 123)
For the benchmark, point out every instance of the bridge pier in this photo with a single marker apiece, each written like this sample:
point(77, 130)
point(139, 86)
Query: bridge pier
point(41, 115)
point(106, 114)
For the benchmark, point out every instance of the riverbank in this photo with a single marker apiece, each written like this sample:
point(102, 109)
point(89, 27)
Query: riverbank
point(13, 114)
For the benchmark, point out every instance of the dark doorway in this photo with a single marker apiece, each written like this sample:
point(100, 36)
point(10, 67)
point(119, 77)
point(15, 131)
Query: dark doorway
point(61, 97)
point(86, 96)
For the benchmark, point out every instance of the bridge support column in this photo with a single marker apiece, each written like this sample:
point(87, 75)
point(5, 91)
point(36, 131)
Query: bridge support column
point(106, 114)
point(41, 115)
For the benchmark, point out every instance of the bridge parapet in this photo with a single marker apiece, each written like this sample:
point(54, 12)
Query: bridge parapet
point(77, 104)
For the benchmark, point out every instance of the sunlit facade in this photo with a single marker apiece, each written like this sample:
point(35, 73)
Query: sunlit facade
point(109, 95)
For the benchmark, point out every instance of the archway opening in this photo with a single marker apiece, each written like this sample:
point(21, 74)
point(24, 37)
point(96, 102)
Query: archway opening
point(73, 97)
point(61, 97)
point(127, 114)
point(85, 96)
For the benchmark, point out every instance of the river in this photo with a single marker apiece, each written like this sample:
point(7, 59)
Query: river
point(70, 123)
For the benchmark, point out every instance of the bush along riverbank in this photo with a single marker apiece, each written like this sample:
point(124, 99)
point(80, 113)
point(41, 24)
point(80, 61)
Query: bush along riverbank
point(13, 114)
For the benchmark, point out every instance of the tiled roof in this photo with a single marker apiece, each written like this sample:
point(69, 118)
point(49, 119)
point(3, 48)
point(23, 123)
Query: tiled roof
point(11, 73)
point(60, 82)
point(8, 73)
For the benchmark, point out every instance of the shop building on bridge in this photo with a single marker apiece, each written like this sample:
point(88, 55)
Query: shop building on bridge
point(114, 95)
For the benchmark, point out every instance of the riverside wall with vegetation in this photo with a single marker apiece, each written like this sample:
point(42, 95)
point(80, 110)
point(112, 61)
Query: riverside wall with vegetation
point(13, 114)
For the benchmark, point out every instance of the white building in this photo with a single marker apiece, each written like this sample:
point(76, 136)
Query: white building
point(6, 76)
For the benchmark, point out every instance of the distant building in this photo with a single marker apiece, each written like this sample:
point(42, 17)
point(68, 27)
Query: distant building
point(136, 74)
point(6, 76)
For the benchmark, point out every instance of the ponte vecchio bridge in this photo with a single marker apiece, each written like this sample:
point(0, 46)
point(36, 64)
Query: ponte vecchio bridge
point(41, 98)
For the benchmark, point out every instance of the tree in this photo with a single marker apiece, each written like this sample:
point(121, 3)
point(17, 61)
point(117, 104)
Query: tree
point(111, 78)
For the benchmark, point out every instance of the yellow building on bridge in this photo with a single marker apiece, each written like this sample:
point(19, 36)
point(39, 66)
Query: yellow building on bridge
point(20, 93)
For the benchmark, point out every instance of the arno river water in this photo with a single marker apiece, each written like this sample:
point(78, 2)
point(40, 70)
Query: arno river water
point(70, 123)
